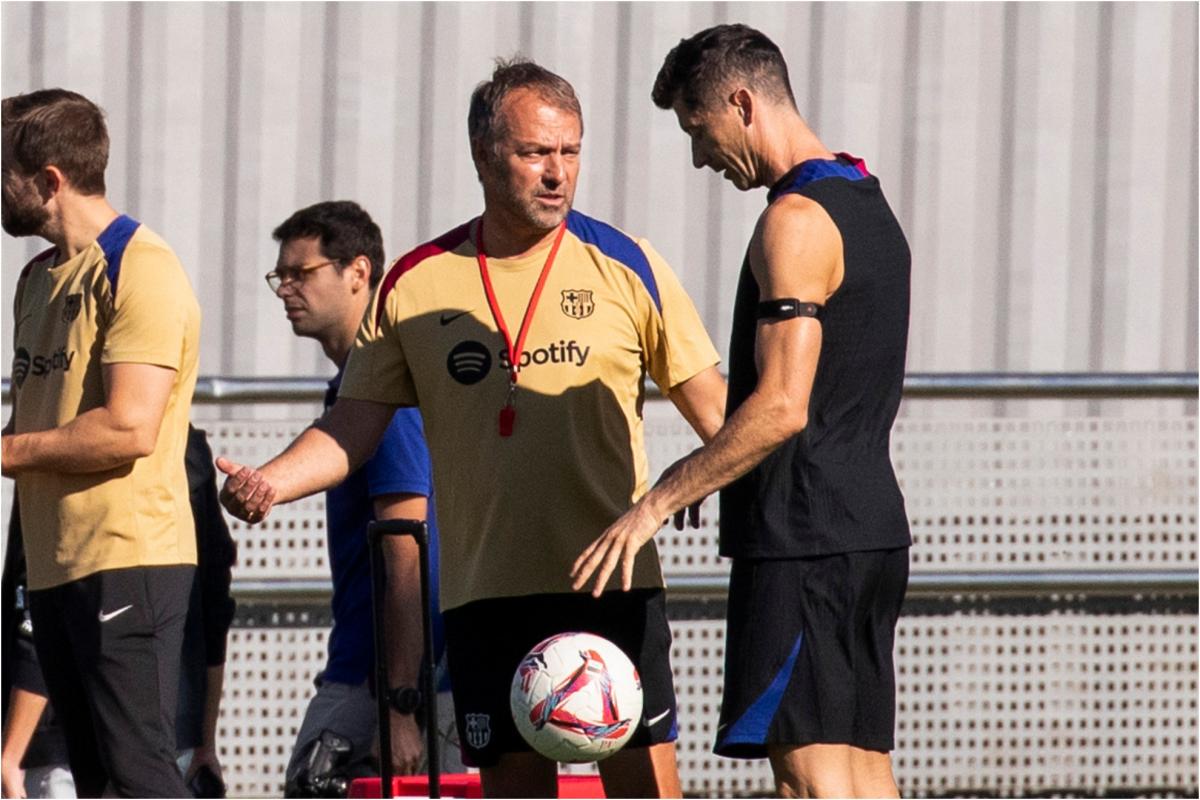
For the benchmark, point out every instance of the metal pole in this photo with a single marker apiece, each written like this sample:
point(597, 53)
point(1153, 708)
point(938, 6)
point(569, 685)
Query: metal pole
point(221, 390)
point(1092, 583)
point(420, 533)
point(383, 684)
point(926, 584)
point(428, 676)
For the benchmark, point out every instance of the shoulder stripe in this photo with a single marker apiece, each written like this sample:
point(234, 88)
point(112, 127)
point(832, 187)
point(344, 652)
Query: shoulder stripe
point(818, 169)
point(857, 163)
point(42, 256)
point(443, 244)
point(112, 241)
point(617, 246)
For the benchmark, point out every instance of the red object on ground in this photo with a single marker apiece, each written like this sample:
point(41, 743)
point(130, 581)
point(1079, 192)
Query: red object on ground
point(467, 785)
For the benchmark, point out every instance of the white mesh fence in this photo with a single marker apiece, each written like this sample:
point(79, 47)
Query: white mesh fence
point(1006, 704)
point(1013, 703)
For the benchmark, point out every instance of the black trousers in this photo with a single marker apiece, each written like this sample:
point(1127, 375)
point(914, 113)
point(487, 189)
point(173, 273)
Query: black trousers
point(109, 645)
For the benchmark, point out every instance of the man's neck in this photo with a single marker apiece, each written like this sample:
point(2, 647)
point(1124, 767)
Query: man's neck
point(788, 141)
point(338, 351)
point(338, 344)
point(81, 219)
point(504, 237)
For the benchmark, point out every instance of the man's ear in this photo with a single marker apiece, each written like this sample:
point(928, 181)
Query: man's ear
point(360, 267)
point(744, 102)
point(50, 181)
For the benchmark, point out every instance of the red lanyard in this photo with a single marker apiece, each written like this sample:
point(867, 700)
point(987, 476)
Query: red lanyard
point(508, 414)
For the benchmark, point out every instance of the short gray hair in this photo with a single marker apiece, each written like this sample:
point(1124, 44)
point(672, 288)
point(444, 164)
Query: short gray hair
point(485, 124)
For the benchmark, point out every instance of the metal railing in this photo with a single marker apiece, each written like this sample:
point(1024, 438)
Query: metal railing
point(994, 386)
point(922, 385)
point(1090, 583)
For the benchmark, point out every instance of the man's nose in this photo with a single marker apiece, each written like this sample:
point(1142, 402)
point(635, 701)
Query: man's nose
point(698, 159)
point(556, 170)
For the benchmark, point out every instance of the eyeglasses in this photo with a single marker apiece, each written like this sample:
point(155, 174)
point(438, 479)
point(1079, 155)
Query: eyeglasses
point(277, 277)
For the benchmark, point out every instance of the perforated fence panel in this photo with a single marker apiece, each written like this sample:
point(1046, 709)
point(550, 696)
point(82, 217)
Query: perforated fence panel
point(268, 683)
point(1050, 697)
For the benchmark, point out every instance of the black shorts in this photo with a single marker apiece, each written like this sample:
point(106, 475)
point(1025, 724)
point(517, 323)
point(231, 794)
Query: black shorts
point(486, 640)
point(808, 652)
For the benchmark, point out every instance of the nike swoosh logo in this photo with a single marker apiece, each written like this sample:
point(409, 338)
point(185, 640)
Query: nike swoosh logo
point(649, 723)
point(448, 318)
point(106, 617)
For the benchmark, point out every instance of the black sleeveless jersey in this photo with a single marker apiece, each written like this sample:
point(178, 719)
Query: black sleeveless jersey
point(831, 488)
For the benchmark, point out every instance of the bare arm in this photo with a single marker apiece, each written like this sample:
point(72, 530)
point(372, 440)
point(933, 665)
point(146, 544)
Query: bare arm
point(122, 430)
point(797, 253)
point(319, 458)
point(24, 710)
point(406, 642)
point(701, 401)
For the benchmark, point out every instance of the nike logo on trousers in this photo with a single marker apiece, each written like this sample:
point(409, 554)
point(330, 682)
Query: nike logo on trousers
point(111, 614)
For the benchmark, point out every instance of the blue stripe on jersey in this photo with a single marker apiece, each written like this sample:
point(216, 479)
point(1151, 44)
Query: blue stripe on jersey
point(616, 246)
point(752, 726)
point(112, 241)
point(814, 169)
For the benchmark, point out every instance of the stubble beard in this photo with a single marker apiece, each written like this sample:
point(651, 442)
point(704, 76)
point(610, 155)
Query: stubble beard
point(526, 209)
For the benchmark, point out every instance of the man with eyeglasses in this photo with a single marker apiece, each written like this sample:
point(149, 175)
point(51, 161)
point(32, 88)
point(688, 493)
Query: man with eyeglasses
point(330, 261)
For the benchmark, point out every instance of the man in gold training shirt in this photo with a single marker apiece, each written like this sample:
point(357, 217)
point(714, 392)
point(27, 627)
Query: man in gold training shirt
point(524, 335)
point(105, 349)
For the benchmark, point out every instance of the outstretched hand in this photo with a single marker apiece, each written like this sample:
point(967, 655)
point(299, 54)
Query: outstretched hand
point(246, 494)
point(622, 540)
point(619, 544)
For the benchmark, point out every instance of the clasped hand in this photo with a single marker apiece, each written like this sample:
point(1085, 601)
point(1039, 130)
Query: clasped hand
point(247, 494)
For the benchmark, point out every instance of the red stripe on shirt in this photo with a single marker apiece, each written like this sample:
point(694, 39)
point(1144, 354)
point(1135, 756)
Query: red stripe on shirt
point(442, 244)
point(39, 257)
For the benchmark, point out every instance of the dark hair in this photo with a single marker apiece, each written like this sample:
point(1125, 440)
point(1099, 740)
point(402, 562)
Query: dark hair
point(485, 123)
point(60, 128)
point(697, 68)
point(345, 229)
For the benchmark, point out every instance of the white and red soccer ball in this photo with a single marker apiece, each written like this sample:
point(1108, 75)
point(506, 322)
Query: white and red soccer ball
point(576, 697)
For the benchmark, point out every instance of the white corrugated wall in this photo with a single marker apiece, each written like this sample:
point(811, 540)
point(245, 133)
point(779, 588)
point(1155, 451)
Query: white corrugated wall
point(1041, 156)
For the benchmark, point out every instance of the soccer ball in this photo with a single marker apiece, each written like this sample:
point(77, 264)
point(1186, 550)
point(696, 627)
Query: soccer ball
point(576, 697)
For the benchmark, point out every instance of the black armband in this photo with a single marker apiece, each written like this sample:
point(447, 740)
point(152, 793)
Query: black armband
point(789, 308)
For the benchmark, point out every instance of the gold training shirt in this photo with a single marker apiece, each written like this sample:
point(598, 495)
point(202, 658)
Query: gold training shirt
point(124, 299)
point(514, 512)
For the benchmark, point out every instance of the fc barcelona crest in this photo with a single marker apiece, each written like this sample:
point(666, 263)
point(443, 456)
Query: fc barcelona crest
point(72, 307)
point(479, 730)
point(577, 303)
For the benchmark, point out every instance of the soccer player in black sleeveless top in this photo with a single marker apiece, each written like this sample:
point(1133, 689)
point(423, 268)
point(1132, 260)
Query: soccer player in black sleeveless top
point(811, 512)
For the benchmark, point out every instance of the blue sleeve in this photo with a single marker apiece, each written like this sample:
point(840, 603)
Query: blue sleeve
point(401, 462)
